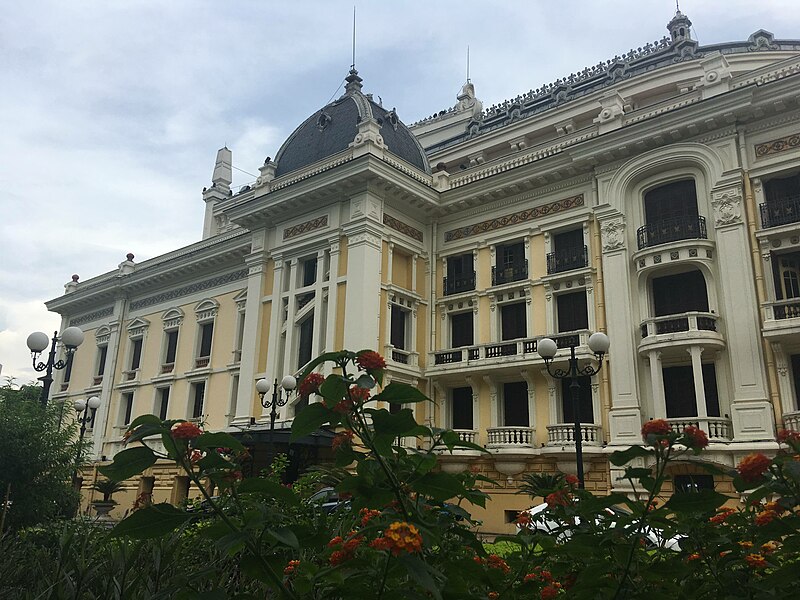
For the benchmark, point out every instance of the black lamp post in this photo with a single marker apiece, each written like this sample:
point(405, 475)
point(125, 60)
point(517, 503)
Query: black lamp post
point(84, 408)
point(547, 348)
point(71, 337)
point(287, 385)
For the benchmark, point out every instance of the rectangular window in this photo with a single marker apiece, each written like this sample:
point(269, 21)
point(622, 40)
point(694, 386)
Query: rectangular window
point(679, 391)
point(398, 332)
point(199, 390)
point(568, 240)
point(796, 376)
point(461, 408)
point(136, 354)
point(460, 274)
point(515, 404)
point(172, 346)
point(514, 321)
point(676, 294)
point(573, 314)
point(673, 200)
point(127, 407)
point(584, 401)
point(309, 271)
point(206, 335)
point(786, 275)
point(68, 368)
point(304, 346)
point(163, 403)
point(102, 354)
point(92, 418)
point(710, 389)
point(461, 329)
point(692, 483)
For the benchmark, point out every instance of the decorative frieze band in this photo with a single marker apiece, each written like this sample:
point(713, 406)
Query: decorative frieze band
point(305, 227)
point(189, 289)
point(404, 228)
point(790, 142)
point(513, 218)
point(92, 316)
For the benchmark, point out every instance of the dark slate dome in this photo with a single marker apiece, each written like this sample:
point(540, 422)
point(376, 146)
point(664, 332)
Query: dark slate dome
point(333, 128)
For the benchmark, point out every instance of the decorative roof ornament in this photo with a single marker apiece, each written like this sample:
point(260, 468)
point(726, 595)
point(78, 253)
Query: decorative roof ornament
point(679, 27)
point(353, 82)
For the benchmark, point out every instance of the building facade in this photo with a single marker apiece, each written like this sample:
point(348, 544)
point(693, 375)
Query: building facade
point(655, 196)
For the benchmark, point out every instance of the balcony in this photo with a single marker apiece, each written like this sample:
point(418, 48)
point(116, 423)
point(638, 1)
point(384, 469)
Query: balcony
point(690, 328)
point(510, 273)
point(510, 438)
point(201, 362)
point(456, 284)
point(717, 429)
point(563, 434)
point(97, 380)
point(791, 421)
point(402, 357)
point(486, 351)
point(167, 368)
point(567, 259)
point(671, 230)
point(129, 375)
point(780, 212)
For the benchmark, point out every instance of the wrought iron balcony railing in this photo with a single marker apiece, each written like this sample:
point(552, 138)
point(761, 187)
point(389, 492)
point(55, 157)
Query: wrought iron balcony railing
point(455, 284)
point(689, 321)
point(780, 212)
point(567, 259)
point(514, 272)
point(671, 230)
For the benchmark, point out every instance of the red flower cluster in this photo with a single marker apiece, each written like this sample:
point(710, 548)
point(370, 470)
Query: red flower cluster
point(572, 480)
point(786, 436)
point(753, 466)
point(343, 438)
point(493, 561)
point(656, 427)
point(367, 514)
point(493, 595)
point(185, 431)
point(694, 437)
point(291, 567)
point(357, 395)
point(538, 575)
point(523, 519)
point(400, 537)
point(722, 515)
point(310, 384)
point(692, 557)
point(550, 591)
point(756, 561)
point(765, 517)
point(369, 360)
point(557, 498)
point(346, 549)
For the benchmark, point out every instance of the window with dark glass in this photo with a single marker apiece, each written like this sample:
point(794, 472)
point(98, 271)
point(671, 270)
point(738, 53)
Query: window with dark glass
point(398, 327)
point(309, 271)
point(163, 403)
point(515, 404)
point(304, 346)
point(679, 392)
point(136, 354)
point(461, 329)
point(585, 410)
point(782, 188)
point(68, 368)
point(92, 417)
point(102, 354)
point(795, 360)
point(786, 273)
point(461, 408)
point(460, 274)
point(197, 401)
point(514, 321)
point(568, 240)
point(573, 313)
point(127, 407)
point(172, 346)
point(676, 294)
point(692, 483)
point(206, 336)
point(670, 201)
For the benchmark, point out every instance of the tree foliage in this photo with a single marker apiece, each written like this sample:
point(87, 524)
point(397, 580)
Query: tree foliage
point(37, 457)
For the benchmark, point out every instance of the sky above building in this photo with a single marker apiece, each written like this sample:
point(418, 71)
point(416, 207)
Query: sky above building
point(112, 112)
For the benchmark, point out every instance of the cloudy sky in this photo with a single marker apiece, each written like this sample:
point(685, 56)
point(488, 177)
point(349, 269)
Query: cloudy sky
point(111, 112)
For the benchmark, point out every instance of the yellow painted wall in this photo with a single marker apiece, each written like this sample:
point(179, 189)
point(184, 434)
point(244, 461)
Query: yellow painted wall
point(401, 270)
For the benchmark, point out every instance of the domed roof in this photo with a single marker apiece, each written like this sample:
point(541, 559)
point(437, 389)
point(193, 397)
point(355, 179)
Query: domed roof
point(334, 127)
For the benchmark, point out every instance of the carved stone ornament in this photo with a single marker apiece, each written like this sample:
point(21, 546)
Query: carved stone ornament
point(613, 233)
point(727, 207)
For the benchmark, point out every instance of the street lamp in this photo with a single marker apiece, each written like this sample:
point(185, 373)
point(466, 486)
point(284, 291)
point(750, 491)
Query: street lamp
point(71, 337)
point(288, 384)
point(84, 409)
point(547, 348)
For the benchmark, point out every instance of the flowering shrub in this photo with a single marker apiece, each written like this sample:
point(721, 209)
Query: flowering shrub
point(407, 531)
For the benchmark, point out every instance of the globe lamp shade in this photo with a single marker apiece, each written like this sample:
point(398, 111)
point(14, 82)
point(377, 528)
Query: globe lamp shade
point(547, 348)
point(72, 337)
point(93, 402)
point(37, 341)
point(288, 383)
point(262, 386)
point(79, 404)
point(599, 343)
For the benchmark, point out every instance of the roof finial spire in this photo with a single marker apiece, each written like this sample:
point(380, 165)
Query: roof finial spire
point(467, 63)
point(353, 66)
point(677, 6)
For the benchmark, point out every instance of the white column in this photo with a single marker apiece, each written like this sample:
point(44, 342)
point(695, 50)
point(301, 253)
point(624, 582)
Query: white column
point(751, 411)
point(657, 384)
point(476, 412)
point(785, 388)
point(494, 405)
point(318, 340)
point(414, 259)
point(697, 375)
point(101, 433)
point(333, 297)
point(362, 307)
point(389, 260)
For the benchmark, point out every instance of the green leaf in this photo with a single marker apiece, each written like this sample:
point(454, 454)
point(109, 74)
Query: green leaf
point(311, 418)
point(638, 472)
point(285, 536)
point(399, 424)
point(327, 356)
point(217, 440)
point(273, 489)
point(365, 381)
point(151, 522)
point(422, 573)
point(128, 463)
point(333, 389)
point(144, 420)
point(622, 457)
point(400, 393)
point(700, 501)
point(438, 486)
point(143, 431)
